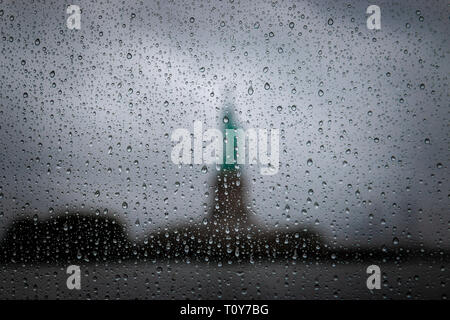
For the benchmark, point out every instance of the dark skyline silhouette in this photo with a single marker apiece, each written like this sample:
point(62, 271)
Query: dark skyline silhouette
point(230, 232)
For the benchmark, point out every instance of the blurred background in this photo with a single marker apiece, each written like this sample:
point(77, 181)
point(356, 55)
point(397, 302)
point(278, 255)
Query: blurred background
point(86, 118)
